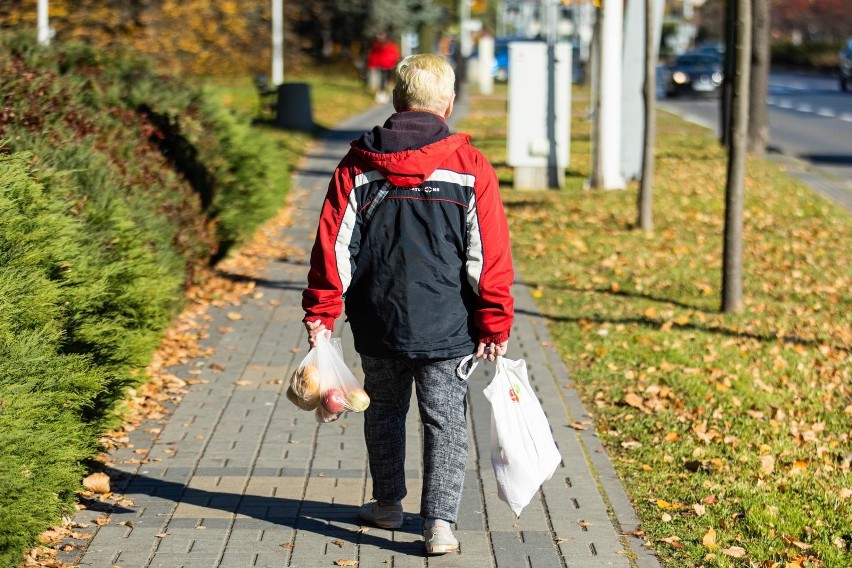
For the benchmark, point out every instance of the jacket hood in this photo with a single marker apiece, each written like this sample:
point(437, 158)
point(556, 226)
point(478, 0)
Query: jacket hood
point(409, 147)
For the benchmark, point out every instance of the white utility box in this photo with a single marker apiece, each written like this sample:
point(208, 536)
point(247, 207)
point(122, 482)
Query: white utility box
point(539, 113)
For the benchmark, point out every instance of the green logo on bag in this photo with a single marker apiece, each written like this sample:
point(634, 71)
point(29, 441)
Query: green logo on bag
point(515, 393)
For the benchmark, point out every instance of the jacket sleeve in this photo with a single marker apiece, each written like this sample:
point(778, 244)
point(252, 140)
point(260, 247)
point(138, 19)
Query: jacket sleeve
point(489, 262)
point(332, 253)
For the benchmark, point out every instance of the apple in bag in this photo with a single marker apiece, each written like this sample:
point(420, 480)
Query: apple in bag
point(333, 400)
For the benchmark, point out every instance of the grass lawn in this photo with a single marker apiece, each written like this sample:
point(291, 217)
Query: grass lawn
point(731, 433)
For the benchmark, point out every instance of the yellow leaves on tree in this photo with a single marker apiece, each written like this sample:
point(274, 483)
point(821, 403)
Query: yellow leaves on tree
point(186, 36)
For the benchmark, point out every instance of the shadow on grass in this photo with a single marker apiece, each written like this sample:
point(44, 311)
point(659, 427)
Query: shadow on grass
point(652, 323)
point(617, 293)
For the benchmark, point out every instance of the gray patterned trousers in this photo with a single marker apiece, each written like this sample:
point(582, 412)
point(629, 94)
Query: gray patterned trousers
point(441, 398)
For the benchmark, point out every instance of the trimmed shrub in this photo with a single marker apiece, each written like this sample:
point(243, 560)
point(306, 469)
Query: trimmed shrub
point(117, 188)
point(43, 391)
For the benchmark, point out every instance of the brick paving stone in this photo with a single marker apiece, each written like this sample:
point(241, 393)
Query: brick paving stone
point(236, 458)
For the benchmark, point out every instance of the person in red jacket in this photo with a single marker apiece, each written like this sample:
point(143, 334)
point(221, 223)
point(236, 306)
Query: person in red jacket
point(413, 242)
point(382, 58)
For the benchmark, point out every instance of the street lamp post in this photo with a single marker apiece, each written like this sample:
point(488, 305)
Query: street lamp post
point(277, 42)
point(465, 41)
point(43, 23)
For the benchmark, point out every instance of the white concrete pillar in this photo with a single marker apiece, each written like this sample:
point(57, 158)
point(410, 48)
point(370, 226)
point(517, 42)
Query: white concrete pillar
point(485, 64)
point(609, 121)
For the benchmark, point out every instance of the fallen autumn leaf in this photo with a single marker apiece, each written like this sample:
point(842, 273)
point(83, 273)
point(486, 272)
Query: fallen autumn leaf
point(97, 482)
point(734, 551)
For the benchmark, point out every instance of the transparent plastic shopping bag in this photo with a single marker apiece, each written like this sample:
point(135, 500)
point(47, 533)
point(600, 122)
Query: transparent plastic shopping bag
point(523, 452)
point(323, 383)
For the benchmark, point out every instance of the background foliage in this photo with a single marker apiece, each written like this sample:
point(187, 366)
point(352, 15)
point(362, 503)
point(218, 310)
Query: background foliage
point(229, 37)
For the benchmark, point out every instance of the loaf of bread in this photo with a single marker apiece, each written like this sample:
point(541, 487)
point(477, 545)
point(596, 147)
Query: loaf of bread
point(306, 384)
point(299, 401)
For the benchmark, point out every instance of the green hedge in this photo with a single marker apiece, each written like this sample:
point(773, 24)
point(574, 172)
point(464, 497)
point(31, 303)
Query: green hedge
point(117, 186)
point(822, 56)
point(44, 391)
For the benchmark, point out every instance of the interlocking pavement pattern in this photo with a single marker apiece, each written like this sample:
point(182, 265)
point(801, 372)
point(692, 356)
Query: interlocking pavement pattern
point(239, 477)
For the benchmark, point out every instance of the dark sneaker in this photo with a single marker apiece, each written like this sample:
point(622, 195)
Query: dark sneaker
point(384, 516)
point(440, 540)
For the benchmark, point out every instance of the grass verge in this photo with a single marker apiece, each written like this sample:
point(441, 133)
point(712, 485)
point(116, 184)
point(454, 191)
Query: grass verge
point(731, 433)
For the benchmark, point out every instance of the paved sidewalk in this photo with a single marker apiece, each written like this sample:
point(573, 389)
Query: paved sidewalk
point(246, 479)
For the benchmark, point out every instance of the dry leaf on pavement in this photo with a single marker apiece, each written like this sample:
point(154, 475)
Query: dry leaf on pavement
point(97, 482)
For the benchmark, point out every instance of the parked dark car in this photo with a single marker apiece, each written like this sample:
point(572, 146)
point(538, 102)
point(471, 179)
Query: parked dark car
point(694, 73)
point(846, 66)
point(711, 48)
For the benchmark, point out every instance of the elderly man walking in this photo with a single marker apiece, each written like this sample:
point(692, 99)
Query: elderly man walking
point(413, 240)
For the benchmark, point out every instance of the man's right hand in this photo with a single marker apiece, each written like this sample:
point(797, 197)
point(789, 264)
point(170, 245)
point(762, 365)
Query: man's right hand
point(491, 350)
point(314, 328)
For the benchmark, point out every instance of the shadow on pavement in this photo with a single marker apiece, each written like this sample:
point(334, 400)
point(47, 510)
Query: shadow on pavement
point(303, 515)
point(841, 159)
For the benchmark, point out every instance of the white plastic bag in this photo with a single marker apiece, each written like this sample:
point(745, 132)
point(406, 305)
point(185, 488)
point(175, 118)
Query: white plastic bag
point(523, 452)
point(324, 383)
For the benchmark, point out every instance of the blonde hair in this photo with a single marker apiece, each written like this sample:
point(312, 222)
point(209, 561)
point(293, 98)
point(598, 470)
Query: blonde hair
point(424, 82)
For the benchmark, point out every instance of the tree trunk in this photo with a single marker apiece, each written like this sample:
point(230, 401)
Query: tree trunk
point(646, 213)
point(732, 270)
point(758, 126)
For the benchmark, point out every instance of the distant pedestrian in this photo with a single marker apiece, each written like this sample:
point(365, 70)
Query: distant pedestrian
point(413, 240)
point(381, 60)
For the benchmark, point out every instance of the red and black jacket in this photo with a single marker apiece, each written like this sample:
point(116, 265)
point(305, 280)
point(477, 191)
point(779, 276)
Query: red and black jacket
point(429, 275)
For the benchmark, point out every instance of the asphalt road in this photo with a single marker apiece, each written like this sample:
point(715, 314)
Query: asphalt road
point(810, 118)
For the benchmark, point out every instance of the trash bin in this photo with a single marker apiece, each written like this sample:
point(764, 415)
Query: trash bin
point(293, 109)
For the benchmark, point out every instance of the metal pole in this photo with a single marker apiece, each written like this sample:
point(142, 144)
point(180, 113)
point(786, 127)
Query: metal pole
point(277, 42)
point(465, 41)
point(43, 23)
point(725, 101)
point(554, 179)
